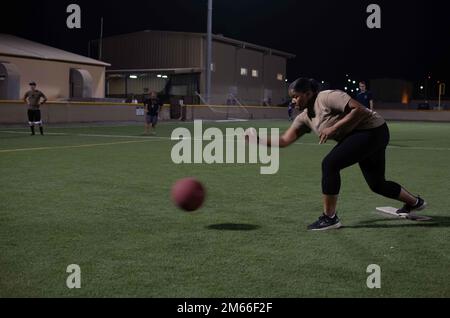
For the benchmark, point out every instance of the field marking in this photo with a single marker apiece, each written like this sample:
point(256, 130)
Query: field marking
point(70, 147)
point(138, 124)
point(87, 135)
point(25, 132)
point(156, 138)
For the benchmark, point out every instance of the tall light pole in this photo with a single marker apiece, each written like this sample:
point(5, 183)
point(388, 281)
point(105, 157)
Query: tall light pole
point(100, 44)
point(209, 52)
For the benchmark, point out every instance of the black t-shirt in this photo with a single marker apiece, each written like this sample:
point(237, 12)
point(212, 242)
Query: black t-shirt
point(364, 98)
point(153, 106)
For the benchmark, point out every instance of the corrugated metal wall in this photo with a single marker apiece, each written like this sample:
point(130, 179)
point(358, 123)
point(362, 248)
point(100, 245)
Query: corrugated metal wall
point(178, 84)
point(274, 65)
point(153, 50)
point(226, 77)
point(136, 86)
point(159, 50)
point(250, 89)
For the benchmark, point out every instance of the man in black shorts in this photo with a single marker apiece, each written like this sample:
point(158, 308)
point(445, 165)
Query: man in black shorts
point(152, 107)
point(33, 99)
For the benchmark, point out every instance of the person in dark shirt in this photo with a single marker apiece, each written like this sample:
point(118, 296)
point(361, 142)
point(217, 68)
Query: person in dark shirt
point(291, 108)
point(33, 99)
point(365, 97)
point(152, 107)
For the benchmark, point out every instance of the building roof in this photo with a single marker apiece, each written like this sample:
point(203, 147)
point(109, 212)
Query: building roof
point(158, 70)
point(14, 46)
point(223, 39)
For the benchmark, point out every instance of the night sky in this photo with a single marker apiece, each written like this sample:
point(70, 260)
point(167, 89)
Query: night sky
point(330, 38)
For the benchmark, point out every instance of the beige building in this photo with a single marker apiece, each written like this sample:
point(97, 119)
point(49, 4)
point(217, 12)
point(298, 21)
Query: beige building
point(173, 64)
point(59, 74)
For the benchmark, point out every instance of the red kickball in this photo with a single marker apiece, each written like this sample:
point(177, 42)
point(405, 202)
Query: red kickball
point(188, 194)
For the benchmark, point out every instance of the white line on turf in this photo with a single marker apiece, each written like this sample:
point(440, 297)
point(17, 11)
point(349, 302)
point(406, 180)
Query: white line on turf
point(86, 135)
point(76, 146)
point(26, 133)
point(155, 138)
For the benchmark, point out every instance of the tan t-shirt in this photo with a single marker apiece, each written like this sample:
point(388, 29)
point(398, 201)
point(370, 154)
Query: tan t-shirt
point(329, 108)
point(34, 98)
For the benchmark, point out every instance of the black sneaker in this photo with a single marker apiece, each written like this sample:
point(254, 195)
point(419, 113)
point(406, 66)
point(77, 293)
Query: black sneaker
point(406, 209)
point(325, 223)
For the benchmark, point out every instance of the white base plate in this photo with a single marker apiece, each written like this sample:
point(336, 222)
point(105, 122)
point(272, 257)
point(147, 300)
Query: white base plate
point(410, 216)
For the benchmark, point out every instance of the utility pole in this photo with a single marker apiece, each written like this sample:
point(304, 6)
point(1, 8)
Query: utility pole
point(100, 43)
point(209, 52)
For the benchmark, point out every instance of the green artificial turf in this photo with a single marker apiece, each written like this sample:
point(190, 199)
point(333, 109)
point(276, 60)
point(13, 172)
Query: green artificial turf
point(103, 202)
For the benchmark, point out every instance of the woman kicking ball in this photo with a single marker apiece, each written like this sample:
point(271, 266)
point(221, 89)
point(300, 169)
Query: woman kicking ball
point(362, 137)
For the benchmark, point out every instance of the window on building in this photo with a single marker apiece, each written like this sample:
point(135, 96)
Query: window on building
point(255, 73)
point(280, 77)
point(244, 71)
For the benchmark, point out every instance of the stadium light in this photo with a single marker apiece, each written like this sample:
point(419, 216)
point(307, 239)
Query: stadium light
point(165, 76)
point(346, 88)
point(349, 80)
point(323, 82)
point(352, 91)
point(421, 87)
point(354, 82)
point(159, 75)
point(133, 76)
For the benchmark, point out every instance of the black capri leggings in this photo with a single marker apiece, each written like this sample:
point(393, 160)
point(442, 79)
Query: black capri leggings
point(366, 147)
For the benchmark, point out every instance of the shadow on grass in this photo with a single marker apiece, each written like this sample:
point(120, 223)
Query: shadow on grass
point(233, 227)
point(435, 222)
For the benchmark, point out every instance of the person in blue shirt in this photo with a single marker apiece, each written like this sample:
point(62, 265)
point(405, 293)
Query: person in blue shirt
point(291, 108)
point(364, 97)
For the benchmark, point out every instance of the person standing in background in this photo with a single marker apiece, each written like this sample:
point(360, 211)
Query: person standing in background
point(364, 97)
point(152, 107)
point(33, 99)
point(291, 108)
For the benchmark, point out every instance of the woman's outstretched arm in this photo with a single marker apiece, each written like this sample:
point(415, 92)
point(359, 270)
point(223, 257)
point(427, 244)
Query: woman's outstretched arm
point(288, 137)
